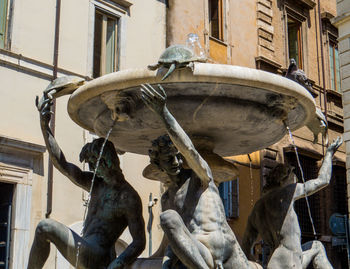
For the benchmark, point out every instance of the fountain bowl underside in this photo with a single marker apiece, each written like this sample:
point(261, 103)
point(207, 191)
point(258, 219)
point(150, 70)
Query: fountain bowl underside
point(239, 110)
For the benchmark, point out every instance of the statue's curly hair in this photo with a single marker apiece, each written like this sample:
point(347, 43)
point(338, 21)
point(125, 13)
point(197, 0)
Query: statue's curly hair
point(160, 145)
point(277, 175)
point(109, 154)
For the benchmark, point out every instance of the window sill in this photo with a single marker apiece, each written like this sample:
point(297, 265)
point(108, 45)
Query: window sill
point(334, 93)
point(218, 41)
point(327, 15)
point(310, 4)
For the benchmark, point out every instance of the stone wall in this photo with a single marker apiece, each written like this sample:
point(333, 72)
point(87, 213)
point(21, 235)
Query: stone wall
point(342, 21)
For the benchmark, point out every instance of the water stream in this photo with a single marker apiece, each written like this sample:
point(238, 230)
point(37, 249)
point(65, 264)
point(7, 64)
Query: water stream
point(89, 196)
point(251, 181)
point(303, 179)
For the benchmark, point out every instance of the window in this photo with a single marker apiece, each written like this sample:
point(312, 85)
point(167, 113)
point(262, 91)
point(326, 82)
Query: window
point(106, 51)
point(229, 193)
point(295, 41)
point(216, 25)
point(334, 66)
point(338, 187)
point(3, 22)
point(5, 223)
point(310, 170)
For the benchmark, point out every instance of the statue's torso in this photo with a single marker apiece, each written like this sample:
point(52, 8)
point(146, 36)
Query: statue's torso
point(203, 214)
point(106, 219)
point(275, 219)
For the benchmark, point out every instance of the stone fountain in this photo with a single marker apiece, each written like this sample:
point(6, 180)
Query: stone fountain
point(226, 110)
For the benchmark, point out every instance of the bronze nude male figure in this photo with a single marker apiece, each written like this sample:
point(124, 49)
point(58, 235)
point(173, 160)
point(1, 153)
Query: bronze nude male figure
point(114, 206)
point(196, 227)
point(274, 218)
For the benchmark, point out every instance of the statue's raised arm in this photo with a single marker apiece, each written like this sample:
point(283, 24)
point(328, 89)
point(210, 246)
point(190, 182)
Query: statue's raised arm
point(324, 175)
point(156, 101)
point(114, 206)
point(70, 170)
point(195, 224)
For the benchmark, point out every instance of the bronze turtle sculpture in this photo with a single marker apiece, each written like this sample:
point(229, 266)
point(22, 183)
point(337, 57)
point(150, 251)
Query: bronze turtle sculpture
point(63, 85)
point(176, 56)
point(59, 87)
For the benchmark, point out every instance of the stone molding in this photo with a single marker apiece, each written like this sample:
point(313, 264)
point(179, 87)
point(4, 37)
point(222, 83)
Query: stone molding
point(265, 28)
point(15, 175)
point(12, 144)
point(339, 20)
point(308, 3)
point(123, 3)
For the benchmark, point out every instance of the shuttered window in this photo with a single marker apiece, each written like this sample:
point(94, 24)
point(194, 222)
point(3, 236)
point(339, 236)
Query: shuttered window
point(334, 66)
point(216, 22)
point(3, 20)
point(229, 192)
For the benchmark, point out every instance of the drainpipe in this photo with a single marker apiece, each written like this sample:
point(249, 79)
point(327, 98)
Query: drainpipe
point(322, 59)
point(168, 28)
point(323, 68)
point(318, 68)
point(53, 117)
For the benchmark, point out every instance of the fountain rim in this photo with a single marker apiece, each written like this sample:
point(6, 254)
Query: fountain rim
point(200, 73)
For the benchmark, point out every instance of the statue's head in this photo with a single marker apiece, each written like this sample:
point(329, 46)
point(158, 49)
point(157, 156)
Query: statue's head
point(280, 175)
point(165, 155)
point(91, 151)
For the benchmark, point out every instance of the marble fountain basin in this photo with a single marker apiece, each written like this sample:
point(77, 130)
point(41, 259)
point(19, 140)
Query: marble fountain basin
point(234, 110)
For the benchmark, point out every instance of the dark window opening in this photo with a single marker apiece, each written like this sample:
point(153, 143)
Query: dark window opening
point(295, 41)
point(338, 186)
point(216, 19)
point(6, 196)
point(310, 170)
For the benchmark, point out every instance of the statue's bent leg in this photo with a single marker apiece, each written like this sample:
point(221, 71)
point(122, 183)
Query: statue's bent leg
point(65, 240)
point(187, 248)
point(313, 251)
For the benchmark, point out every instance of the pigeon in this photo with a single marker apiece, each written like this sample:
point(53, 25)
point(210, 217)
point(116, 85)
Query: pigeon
point(298, 76)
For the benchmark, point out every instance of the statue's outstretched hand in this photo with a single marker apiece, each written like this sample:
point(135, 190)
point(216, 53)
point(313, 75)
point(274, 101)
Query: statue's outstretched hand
point(154, 99)
point(335, 145)
point(44, 107)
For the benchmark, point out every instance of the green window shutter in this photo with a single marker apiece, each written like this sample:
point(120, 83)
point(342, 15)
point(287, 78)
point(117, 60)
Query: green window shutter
point(3, 17)
point(293, 45)
point(337, 69)
point(110, 45)
point(331, 61)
